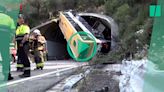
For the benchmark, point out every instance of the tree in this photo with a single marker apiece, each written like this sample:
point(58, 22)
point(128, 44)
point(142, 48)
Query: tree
point(110, 6)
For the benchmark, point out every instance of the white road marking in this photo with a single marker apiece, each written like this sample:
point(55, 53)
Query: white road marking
point(13, 68)
point(51, 65)
point(37, 76)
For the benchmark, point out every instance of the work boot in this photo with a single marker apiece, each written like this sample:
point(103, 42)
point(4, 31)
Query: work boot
point(37, 68)
point(10, 77)
point(27, 73)
point(24, 75)
point(41, 68)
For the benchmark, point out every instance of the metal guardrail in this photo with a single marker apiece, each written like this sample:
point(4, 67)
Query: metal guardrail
point(74, 79)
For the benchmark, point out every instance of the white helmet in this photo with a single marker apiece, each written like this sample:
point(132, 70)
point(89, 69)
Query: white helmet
point(37, 32)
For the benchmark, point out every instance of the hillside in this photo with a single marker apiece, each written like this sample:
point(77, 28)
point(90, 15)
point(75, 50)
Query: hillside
point(132, 17)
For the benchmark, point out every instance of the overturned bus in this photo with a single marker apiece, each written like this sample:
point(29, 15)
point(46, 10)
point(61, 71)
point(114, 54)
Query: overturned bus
point(58, 31)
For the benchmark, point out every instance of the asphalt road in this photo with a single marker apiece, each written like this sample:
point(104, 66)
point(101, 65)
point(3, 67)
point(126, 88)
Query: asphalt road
point(41, 80)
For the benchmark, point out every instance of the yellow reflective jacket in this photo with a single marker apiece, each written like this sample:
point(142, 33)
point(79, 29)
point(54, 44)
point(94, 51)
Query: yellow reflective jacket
point(22, 30)
point(7, 21)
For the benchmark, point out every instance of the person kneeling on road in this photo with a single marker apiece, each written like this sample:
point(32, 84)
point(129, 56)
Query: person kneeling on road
point(39, 42)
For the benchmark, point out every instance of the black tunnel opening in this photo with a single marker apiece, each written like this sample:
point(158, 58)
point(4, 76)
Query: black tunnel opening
point(56, 44)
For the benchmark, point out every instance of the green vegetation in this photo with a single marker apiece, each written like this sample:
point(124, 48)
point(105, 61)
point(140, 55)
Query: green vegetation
point(132, 16)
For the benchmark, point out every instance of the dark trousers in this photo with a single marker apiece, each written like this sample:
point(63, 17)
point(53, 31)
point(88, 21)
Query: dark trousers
point(24, 57)
point(19, 60)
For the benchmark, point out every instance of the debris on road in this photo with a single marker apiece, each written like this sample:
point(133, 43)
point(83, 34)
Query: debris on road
point(99, 79)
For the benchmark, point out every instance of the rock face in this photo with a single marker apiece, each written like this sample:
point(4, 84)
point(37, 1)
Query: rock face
point(131, 79)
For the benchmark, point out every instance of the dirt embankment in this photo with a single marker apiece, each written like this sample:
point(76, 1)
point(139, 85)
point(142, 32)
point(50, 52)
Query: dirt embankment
point(100, 80)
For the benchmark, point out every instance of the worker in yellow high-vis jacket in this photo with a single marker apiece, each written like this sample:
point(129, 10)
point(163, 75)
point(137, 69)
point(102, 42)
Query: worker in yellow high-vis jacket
point(21, 31)
point(22, 34)
point(7, 27)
